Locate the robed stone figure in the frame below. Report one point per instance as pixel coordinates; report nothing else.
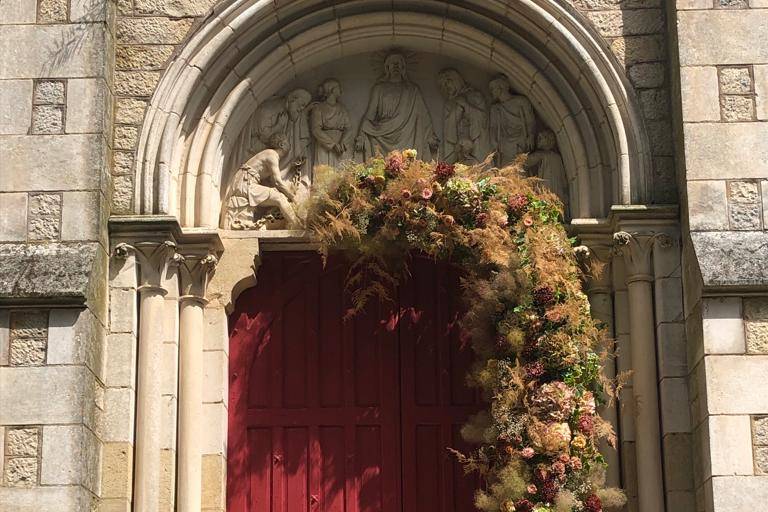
(465, 119)
(547, 164)
(330, 126)
(397, 116)
(512, 122)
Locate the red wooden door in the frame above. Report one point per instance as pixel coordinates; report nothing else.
(335, 416)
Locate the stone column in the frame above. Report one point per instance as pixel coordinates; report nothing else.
(194, 271)
(153, 259)
(636, 248)
(595, 260)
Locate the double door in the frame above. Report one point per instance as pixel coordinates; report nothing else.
(334, 415)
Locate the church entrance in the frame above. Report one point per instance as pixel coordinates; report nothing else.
(346, 416)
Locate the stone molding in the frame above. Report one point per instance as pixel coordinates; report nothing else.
(636, 249)
(313, 35)
(195, 271)
(153, 259)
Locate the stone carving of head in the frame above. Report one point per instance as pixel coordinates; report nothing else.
(545, 140)
(500, 88)
(451, 82)
(330, 88)
(279, 142)
(296, 101)
(394, 67)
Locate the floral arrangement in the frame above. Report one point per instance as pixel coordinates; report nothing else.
(538, 350)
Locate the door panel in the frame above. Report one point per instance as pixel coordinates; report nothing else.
(345, 416)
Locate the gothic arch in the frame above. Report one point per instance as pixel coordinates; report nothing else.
(246, 49)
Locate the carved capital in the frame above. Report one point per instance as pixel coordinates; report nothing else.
(595, 263)
(153, 259)
(636, 249)
(195, 271)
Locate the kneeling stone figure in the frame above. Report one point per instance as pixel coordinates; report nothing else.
(259, 183)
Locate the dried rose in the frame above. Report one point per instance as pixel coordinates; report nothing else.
(593, 504)
(586, 424)
(448, 220)
(531, 489)
(518, 203)
(524, 506)
(426, 194)
(481, 219)
(444, 170)
(575, 463)
(406, 193)
(394, 164)
(528, 221)
(527, 452)
(558, 468)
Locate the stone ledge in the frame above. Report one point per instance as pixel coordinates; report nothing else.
(49, 273)
(732, 259)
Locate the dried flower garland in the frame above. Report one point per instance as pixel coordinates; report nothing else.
(537, 347)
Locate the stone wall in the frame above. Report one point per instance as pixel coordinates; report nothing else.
(723, 82)
(55, 132)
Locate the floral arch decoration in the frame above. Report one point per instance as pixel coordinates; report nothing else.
(538, 351)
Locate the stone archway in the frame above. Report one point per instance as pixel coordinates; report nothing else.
(247, 51)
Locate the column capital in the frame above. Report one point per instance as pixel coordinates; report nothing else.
(195, 271)
(636, 249)
(153, 258)
(595, 262)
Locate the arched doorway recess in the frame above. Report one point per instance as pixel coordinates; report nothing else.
(248, 52)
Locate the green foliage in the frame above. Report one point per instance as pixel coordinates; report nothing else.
(536, 344)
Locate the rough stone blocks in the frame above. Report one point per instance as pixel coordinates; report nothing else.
(28, 338)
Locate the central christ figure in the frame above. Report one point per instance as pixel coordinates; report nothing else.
(397, 116)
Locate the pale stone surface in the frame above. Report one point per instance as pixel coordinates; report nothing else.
(761, 91)
(47, 119)
(42, 395)
(693, 4)
(654, 103)
(214, 428)
(747, 394)
(739, 493)
(723, 326)
(738, 29)
(87, 10)
(117, 474)
(628, 22)
(647, 75)
(215, 376)
(735, 80)
(75, 336)
(15, 105)
(167, 480)
(18, 11)
(635, 49)
(47, 498)
(21, 472)
(737, 108)
(80, 215)
(756, 325)
(136, 83)
(136, 57)
(760, 430)
(38, 51)
(29, 324)
(44, 216)
(699, 93)
(52, 11)
(87, 101)
(707, 207)
(5, 320)
(174, 8)
(122, 310)
(27, 162)
(727, 158)
(22, 442)
(214, 482)
(122, 194)
(49, 92)
(154, 30)
(672, 354)
(730, 445)
(126, 137)
(116, 424)
(71, 456)
(129, 110)
(122, 272)
(732, 258)
(121, 360)
(13, 217)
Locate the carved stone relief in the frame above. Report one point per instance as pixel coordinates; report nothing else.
(357, 114)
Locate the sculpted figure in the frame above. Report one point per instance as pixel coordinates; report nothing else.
(330, 126)
(465, 116)
(287, 116)
(512, 122)
(257, 184)
(547, 164)
(397, 116)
